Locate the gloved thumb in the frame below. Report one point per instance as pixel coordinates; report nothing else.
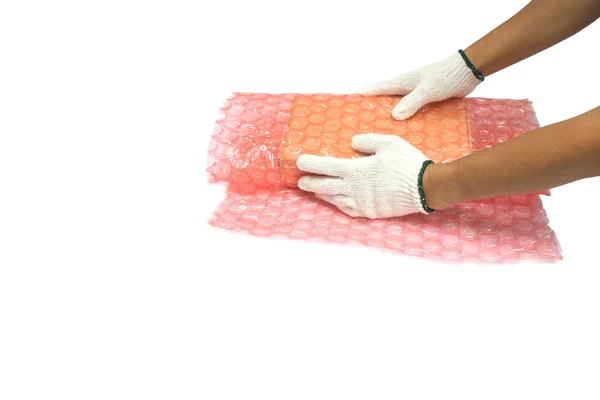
(410, 104)
(372, 142)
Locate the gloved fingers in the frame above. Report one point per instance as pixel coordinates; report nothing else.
(409, 105)
(402, 84)
(349, 211)
(373, 142)
(330, 166)
(322, 185)
(342, 202)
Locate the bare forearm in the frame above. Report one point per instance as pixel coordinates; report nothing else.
(538, 160)
(539, 25)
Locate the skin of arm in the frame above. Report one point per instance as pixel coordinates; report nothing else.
(535, 161)
(539, 160)
(538, 26)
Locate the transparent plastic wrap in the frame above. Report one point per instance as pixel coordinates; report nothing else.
(247, 138)
(325, 124)
(491, 231)
(258, 138)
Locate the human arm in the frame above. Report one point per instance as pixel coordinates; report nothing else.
(539, 25)
(532, 162)
(397, 179)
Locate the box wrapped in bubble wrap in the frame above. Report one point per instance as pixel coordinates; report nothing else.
(258, 138)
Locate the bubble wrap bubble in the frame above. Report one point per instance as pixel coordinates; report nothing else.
(325, 124)
(258, 138)
(492, 231)
(247, 138)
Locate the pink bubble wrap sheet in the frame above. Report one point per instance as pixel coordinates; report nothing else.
(255, 132)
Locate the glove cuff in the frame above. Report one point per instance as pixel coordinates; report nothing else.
(426, 208)
(470, 65)
(456, 78)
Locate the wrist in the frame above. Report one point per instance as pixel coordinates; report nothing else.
(480, 60)
(443, 185)
(476, 73)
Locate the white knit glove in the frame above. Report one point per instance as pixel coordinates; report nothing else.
(436, 82)
(382, 185)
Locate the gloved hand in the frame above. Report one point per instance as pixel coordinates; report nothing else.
(386, 184)
(451, 77)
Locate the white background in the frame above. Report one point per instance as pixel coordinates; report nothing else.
(112, 285)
